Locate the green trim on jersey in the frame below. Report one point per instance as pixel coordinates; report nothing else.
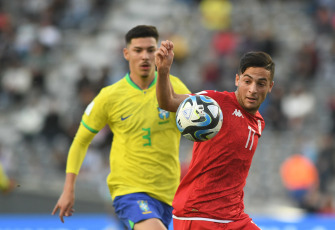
(136, 86)
(89, 128)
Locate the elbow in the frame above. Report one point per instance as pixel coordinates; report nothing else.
(166, 106)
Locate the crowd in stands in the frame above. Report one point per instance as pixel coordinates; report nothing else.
(44, 89)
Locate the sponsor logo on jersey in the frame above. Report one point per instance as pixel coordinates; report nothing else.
(237, 113)
(143, 204)
(124, 118)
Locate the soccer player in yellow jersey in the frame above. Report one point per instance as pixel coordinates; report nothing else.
(144, 157)
(6, 184)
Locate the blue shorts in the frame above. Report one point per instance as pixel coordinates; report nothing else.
(135, 207)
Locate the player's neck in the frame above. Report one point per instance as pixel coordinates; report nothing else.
(143, 82)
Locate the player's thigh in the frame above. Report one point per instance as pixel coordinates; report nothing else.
(153, 224)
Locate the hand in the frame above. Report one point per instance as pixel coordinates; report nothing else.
(164, 55)
(65, 205)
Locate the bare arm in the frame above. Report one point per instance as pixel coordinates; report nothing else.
(76, 156)
(166, 97)
(66, 200)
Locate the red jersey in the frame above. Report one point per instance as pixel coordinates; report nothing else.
(213, 186)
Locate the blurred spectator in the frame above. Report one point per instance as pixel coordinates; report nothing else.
(326, 163)
(6, 26)
(323, 20)
(76, 13)
(266, 42)
(273, 113)
(37, 58)
(216, 14)
(48, 34)
(25, 37)
(331, 107)
(7, 33)
(224, 43)
(306, 63)
(297, 105)
(51, 127)
(298, 175)
(247, 38)
(29, 119)
(300, 178)
(181, 48)
(16, 81)
(86, 88)
(211, 74)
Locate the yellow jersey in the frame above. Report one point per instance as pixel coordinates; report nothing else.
(144, 156)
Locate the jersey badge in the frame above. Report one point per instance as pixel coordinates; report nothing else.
(163, 115)
(237, 113)
(143, 204)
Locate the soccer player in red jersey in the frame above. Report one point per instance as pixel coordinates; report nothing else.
(210, 196)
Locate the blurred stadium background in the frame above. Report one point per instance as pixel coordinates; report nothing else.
(55, 55)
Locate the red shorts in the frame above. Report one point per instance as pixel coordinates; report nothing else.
(246, 224)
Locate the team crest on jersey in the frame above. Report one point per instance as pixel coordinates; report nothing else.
(163, 115)
(143, 204)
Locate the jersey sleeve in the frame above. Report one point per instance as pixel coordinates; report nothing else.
(78, 149)
(93, 120)
(95, 115)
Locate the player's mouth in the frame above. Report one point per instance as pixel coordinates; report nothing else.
(145, 66)
(251, 99)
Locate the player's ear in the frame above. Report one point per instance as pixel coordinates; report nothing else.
(237, 78)
(271, 86)
(126, 53)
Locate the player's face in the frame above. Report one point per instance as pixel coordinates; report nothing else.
(140, 54)
(252, 87)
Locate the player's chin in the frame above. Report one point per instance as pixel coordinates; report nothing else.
(252, 107)
(146, 72)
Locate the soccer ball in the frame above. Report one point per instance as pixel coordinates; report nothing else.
(199, 118)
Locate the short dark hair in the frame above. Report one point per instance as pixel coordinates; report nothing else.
(257, 59)
(142, 31)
